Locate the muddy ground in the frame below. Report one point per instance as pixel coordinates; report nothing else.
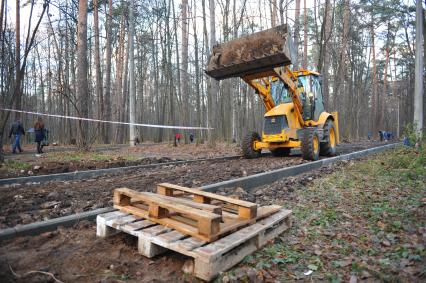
(65, 159)
(357, 221)
(76, 255)
(24, 204)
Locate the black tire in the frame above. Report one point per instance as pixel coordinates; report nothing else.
(310, 144)
(328, 146)
(247, 145)
(281, 152)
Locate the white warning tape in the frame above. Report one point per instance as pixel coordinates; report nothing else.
(104, 121)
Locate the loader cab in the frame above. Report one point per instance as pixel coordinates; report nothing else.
(312, 98)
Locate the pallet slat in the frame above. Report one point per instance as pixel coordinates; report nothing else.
(134, 226)
(203, 206)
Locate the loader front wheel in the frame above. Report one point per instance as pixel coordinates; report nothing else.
(281, 152)
(248, 146)
(328, 148)
(310, 144)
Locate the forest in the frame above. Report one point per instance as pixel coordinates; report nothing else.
(212, 141)
(84, 58)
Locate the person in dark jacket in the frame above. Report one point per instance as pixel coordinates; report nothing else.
(39, 134)
(17, 130)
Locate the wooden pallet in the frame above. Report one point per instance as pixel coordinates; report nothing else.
(209, 259)
(193, 212)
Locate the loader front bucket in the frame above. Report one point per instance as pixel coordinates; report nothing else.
(255, 53)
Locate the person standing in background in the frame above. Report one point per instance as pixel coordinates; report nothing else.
(39, 134)
(17, 130)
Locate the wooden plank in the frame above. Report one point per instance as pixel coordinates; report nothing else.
(187, 245)
(102, 229)
(185, 220)
(263, 212)
(116, 222)
(247, 212)
(119, 198)
(172, 236)
(191, 212)
(212, 208)
(208, 195)
(135, 226)
(157, 211)
(168, 222)
(154, 231)
(111, 215)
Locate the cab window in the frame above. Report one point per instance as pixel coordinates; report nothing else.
(279, 92)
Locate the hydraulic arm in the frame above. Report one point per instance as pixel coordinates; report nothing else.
(262, 86)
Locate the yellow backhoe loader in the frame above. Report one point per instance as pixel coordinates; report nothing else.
(295, 115)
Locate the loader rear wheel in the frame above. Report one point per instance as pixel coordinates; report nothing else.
(281, 151)
(248, 145)
(328, 148)
(310, 144)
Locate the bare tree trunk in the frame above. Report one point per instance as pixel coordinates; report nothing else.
(132, 88)
(108, 27)
(18, 58)
(375, 100)
(197, 75)
(326, 52)
(43, 109)
(205, 79)
(274, 9)
(305, 35)
(122, 131)
(98, 89)
(82, 84)
(385, 89)
(178, 73)
(418, 87)
(214, 85)
(282, 21)
(296, 33)
(338, 89)
(118, 93)
(3, 4)
(184, 74)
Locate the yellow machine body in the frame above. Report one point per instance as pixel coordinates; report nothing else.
(288, 137)
(294, 109)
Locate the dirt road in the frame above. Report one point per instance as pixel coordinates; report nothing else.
(339, 232)
(23, 204)
(63, 160)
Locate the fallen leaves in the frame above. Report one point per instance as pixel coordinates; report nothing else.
(381, 225)
(343, 263)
